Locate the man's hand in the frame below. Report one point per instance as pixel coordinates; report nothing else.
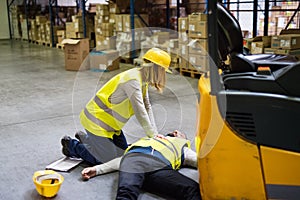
(88, 173)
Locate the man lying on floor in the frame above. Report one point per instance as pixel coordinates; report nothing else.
(152, 164)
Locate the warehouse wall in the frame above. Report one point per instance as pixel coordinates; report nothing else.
(4, 28)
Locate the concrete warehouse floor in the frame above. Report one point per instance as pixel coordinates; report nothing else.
(40, 103)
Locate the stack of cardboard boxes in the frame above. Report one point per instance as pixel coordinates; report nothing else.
(104, 27)
(258, 44)
(105, 57)
(61, 35)
(183, 41)
(74, 29)
(14, 20)
(124, 40)
(287, 44)
(24, 29)
(193, 45)
(40, 30)
(40, 27)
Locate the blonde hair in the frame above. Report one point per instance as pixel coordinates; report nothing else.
(155, 76)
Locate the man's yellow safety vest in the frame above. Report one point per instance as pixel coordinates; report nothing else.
(103, 118)
(170, 147)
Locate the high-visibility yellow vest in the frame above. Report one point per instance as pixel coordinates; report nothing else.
(170, 147)
(103, 118)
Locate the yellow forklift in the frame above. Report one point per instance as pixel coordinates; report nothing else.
(249, 118)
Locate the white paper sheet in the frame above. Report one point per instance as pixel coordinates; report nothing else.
(64, 164)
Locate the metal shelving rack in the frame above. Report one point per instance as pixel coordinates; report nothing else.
(52, 4)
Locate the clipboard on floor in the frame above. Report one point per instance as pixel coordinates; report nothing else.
(64, 164)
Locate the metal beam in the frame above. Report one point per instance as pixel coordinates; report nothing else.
(56, 13)
(132, 29)
(266, 20)
(213, 46)
(83, 17)
(8, 15)
(168, 14)
(51, 2)
(254, 27)
(27, 22)
(177, 13)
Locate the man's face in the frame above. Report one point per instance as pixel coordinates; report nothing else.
(178, 134)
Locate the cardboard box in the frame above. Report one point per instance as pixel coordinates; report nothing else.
(289, 41)
(183, 37)
(257, 47)
(174, 43)
(100, 19)
(184, 50)
(71, 35)
(69, 29)
(113, 8)
(102, 6)
(78, 25)
(61, 33)
(293, 52)
(160, 37)
(119, 22)
(266, 41)
(198, 29)
(40, 19)
(275, 42)
(107, 60)
(197, 17)
(198, 46)
(289, 31)
(112, 18)
(198, 62)
(105, 29)
(182, 24)
(75, 53)
(270, 51)
(104, 43)
(138, 23)
(183, 63)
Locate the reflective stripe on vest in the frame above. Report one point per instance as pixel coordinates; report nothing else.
(103, 118)
(170, 147)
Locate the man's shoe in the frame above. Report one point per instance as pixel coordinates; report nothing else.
(65, 141)
(80, 135)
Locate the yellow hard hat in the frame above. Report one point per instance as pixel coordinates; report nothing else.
(158, 57)
(47, 182)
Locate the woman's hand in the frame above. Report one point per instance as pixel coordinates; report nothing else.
(159, 136)
(88, 173)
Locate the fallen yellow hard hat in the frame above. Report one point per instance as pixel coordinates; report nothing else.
(47, 182)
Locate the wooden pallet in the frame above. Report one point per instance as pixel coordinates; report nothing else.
(40, 42)
(193, 73)
(60, 46)
(34, 42)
